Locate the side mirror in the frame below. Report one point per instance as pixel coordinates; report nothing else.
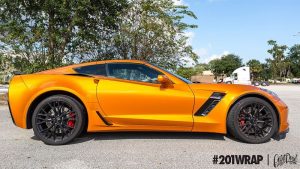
(164, 80)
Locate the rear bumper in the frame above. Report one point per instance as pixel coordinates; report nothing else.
(9, 109)
(12, 117)
(17, 101)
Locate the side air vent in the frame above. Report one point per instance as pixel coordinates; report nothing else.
(210, 104)
(103, 119)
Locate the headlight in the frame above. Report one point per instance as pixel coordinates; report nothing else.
(270, 92)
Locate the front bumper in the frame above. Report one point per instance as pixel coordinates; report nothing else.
(281, 135)
(283, 118)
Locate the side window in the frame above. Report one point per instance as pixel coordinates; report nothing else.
(235, 76)
(98, 69)
(135, 72)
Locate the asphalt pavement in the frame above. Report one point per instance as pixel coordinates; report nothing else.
(20, 149)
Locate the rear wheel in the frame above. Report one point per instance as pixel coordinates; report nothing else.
(252, 120)
(58, 119)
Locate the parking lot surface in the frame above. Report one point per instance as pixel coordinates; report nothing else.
(20, 149)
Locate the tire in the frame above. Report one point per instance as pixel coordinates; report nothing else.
(58, 119)
(228, 82)
(246, 127)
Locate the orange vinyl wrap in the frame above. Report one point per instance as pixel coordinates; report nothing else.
(134, 106)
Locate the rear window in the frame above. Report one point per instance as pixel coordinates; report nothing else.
(98, 69)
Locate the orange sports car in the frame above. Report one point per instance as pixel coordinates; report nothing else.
(127, 95)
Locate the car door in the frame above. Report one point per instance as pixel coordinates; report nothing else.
(131, 96)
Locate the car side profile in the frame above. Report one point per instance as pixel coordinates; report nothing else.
(130, 95)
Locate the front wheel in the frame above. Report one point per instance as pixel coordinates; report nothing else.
(252, 120)
(58, 119)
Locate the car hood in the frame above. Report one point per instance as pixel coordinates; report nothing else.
(233, 91)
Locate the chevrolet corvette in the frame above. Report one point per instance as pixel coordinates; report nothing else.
(129, 95)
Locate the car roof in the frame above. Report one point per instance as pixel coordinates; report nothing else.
(69, 69)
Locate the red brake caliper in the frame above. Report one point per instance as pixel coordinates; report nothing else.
(71, 123)
(242, 122)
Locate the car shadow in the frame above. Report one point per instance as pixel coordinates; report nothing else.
(150, 135)
(146, 135)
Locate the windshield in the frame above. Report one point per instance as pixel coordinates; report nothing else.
(181, 78)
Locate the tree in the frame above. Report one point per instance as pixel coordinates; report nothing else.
(48, 33)
(153, 30)
(266, 72)
(226, 65)
(217, 67)
(231, 62)
(45, 34)
(256, 68)
(199, 68)
(186, 72)
(294, 57)
(280, 66)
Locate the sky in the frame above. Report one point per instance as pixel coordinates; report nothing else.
(242, 27)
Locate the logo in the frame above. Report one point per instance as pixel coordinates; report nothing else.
(287, 158)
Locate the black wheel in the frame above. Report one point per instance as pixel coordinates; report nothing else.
(58, 119)
(252, 120)
(229, 82)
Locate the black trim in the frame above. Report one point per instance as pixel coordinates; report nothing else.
(91, 72)
(103, 119)
(281, 135)
(18, 73)
(106, 69)
(12, 117)
(79, 74)
(211, 103)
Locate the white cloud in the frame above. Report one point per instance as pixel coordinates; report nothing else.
(190, 36)
(189, 62)
(202, 52)
(204, 57)
(179, 2)
(216, 56)
(211, 1)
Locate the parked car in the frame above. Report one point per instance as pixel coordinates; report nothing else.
(128, 95)
(296, 80)
(263, 83)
